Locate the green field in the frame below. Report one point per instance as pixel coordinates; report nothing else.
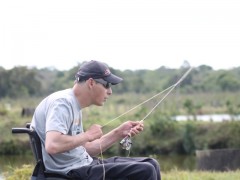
(24, 173)
(161, 134)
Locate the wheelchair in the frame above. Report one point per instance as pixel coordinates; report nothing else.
(39, 172)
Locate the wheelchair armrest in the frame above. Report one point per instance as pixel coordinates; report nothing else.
(21, 130)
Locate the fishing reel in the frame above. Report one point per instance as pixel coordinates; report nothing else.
(126, 143)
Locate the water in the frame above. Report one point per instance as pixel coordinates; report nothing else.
(166, 162)
(180, 162)
(208, 117)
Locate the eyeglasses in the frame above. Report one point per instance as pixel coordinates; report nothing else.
(105, 84)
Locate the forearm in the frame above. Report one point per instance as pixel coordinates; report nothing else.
(100, 145)
(58, 143)
(106, 141)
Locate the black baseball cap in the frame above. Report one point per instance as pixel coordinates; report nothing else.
(96, 70)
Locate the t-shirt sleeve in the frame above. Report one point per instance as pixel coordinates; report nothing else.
(59, 116)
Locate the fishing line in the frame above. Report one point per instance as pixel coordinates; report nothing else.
(127, 148)
(172, 87)
(126, 142)
(137, 106)
(100, 146)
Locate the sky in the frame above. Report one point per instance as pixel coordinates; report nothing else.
(125, 34)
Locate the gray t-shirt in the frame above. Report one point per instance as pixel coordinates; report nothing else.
(60, 112)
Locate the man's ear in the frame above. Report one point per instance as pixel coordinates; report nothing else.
(90, 82)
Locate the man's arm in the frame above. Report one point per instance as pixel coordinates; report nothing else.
(57, 142)
(106, 141)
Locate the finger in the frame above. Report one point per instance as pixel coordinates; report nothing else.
(139, 127)
(132, 133)
(135, 131)
(134, 123)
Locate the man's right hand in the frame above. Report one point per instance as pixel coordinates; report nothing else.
(94, 132)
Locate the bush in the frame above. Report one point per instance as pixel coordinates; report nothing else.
(21, 173)
(12, 147)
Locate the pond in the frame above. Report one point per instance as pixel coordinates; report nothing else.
(207, 117)
(7, 163)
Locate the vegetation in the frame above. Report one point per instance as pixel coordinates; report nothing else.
(31, 82)
(164, 135)
(204, 91)
(21, 173)
(25, 172)
(200, 175)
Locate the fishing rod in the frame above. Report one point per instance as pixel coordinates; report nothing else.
(138, 105)
(126, 142)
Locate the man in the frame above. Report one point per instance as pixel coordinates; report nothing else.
(68, 149)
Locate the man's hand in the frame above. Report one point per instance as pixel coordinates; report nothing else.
(131, 128)
(94, 132)
(56, 142)
(137, 128)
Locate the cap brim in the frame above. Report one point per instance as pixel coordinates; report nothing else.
(113, 79)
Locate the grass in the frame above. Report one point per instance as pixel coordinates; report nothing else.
(210, 103)
(200, 175)
(24, 173)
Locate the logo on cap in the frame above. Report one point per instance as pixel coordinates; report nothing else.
(107, 72)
